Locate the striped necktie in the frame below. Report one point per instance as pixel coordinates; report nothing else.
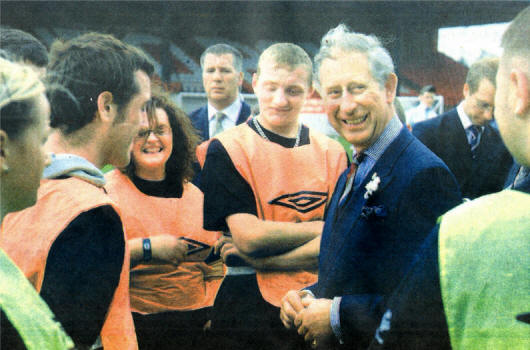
(219, 117)
(473, 136)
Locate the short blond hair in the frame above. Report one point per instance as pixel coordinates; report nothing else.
(287, 55)
(19, 83)
(19, 86)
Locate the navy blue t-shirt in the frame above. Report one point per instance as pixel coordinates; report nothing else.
(226, 192)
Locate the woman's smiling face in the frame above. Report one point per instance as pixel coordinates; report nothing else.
(152, 146)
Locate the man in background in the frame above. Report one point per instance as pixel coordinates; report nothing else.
(464, 139)
(425, 109)
(222, 77)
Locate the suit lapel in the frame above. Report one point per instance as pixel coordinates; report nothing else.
(348, 227)
(384, 167)
(244, 113)
(204, 125)
(460, 160)
(458, 135)
(351, 210)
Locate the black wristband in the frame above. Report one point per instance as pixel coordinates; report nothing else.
(146, 245)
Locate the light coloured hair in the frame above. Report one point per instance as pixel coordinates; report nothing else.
(341, 38)
(516, 39)
(287, 55)
(18, 83)
(19, 89)
(483, 69)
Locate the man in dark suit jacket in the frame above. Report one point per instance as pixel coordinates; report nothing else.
(480, 163)
(222, 76)
(381, 213)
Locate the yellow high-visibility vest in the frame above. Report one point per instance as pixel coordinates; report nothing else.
(484, 252)
(27, 312)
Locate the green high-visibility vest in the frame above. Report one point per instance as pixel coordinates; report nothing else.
(27, 312)
(484, 255)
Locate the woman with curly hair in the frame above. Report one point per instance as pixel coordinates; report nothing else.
(171, 285)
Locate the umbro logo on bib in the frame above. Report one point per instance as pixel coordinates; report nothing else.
(303, 201)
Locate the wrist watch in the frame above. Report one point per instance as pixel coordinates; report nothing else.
(146, 245)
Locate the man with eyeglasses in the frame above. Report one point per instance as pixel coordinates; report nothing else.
(464, 139)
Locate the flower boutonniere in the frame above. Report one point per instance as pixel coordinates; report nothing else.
(372, 186)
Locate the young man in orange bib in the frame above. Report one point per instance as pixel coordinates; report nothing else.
(267, 183)
(75, 254)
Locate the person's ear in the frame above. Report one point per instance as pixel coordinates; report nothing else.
(390, 87)
(254, 81)
(4, 152)
(519, 81)
(465, 90)
(106, 106)
(241, 78)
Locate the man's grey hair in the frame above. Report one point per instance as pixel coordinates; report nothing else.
(343, 39)
(224, 49)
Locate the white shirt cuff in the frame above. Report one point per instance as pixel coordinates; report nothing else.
(335, 318)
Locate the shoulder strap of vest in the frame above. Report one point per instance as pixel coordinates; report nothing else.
(27, 312)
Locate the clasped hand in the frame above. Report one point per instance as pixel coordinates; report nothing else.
(226, 248)
(309, 316)
(168, 248)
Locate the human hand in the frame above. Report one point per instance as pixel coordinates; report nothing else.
(314, 323)
(168, 248)
(221, 241)
(292, 304)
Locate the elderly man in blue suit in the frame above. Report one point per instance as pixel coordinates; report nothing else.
(464, 139)
(222, 77)
(381, 210)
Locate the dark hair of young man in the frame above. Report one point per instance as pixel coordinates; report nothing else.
(23, 47)
(82, 68)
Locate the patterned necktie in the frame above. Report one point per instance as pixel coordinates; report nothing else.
(350, 178)
(473, 136)
(219, 117)
(522, 174)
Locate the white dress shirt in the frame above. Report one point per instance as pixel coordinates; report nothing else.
(231, 112)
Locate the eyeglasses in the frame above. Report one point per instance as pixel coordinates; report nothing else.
(483, 105)
(159, 131)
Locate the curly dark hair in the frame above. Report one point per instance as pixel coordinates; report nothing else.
(179, 166)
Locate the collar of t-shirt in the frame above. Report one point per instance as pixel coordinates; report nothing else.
(376, 150)
(231, 112)
(286, 142)
(163, 188)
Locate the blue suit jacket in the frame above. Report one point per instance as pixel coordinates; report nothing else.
(199, 119)
(446, 137)
(367, 244)
(417, 311)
